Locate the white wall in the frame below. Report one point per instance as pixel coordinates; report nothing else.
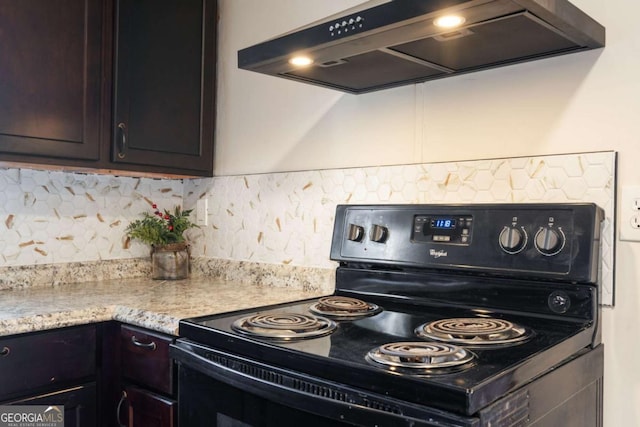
(582, 102)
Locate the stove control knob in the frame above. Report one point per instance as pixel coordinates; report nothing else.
(549, 241)
(355, 233)
(512, 239)
(379, 233)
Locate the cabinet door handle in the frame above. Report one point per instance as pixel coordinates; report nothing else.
(122, 400)
(122, 145)
(150, 345)
(5, 351)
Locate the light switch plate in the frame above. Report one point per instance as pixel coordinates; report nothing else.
(202, 212)
(630, 214)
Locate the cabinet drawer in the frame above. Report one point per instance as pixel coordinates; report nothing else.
(149, 409)
(145, 358)
(79, 404)
(36, 361)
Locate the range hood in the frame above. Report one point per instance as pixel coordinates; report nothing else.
(383, 44)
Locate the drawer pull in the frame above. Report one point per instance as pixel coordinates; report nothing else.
(151, 345)
(5, 351)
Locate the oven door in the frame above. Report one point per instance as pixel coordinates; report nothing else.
(224, 390)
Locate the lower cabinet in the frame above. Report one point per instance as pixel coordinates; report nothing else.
(56, 367)
(107, 374)
(79, 404)
(147, 373)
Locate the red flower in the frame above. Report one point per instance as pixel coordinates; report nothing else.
(154, 206)
(166, 217)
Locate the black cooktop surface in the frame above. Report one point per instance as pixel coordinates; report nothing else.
(341, 355)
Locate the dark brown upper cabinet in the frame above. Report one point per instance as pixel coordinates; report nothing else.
(164, 97)
(50, 79)
(124, 85)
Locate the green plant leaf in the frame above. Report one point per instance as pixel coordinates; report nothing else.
(161, 230)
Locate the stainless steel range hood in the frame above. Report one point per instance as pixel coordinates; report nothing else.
(385, 44)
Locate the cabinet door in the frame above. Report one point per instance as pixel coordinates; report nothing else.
(79, 404)
(50, 79)
(165, 83)
(146, 409)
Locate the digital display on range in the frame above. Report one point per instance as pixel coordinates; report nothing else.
(443, 223)
(443, 228)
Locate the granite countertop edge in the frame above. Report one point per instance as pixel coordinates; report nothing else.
(155, 305)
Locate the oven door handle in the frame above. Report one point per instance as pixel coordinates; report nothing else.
(320, 397)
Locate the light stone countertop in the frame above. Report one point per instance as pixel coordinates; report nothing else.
(156, 305)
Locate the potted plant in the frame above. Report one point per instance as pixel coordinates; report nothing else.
(169, 248)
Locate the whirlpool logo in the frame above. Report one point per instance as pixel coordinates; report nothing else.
(32, 416)
(437, 254)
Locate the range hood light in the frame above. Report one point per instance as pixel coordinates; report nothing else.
(449, 21)
(301, 61)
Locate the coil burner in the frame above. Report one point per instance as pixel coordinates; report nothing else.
(284, 326)
(344, 308)
(474, 332)
(421, 357)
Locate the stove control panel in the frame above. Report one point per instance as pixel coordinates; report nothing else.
(447, 229)
(556, 240)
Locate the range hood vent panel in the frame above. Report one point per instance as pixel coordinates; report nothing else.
(386, 52)
(505, 40)
(381, 68)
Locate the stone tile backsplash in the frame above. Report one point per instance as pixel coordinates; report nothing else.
(49, 217)
(57, 217)
(287, 218)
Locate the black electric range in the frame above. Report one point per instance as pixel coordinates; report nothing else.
(443, 315)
